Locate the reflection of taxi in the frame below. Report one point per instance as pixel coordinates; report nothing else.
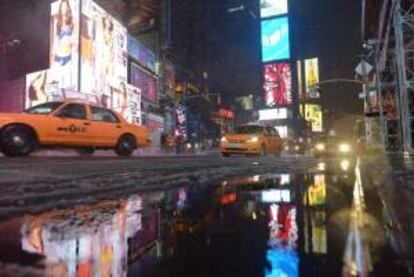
(251, 139)
(69, 124)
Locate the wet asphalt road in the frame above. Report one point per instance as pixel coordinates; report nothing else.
(194, 216)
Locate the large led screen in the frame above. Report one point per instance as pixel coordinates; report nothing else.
(277, 84)
(275, 39)
(313, 114)
(311, 77)
(145, 83)
(103, 52)
(64, 43)
(273, 7)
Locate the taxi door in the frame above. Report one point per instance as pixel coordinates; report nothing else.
(105, 125)
(69, 125)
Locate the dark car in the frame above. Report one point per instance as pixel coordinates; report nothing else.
(335, 146)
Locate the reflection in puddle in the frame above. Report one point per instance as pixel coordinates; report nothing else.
(263, 225)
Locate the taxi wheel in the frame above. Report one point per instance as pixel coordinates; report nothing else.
(126, 146)
(87, 151)
(17, 140)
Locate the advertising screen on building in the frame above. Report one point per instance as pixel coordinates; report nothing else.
(103, 52)
(282, 130)
(141, 53)
(64, 43)
(273, 114)
(245, 102)
(277, 84)
(273, 7)
(313, 114)
(275, 39)
(127, 102)
(311, 77)
(145, 83)
(276, 196)
(42, 87)
(181, 122)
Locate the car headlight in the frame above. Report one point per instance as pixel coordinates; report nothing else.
(320, 147)
(287, 148)
(254, 139)
(223, 139)
(297, 147)
(344, 148)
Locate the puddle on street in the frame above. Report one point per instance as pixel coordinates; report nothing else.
(267, 225)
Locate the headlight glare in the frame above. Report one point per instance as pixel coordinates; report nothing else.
(344, 148)
(320, 147)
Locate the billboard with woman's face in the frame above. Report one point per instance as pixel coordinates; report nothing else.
(64, 43)
(277, 84)
(127, 102)
(103, 52)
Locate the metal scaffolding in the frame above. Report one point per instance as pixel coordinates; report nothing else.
(403, 22)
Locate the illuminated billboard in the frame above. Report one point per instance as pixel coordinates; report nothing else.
(282, 130)
(273, 114)
(245, 102)
(275, 39)
(277, 84)
(276, 196)
(311, 77)
(103, 52)
(313, 114)
(273, 7)
(42, 87)
(127, 102)
(146, 83)
(64, 43)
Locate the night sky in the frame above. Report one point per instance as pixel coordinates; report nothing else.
(330, 30)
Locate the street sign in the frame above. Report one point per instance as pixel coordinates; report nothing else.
(360, 68)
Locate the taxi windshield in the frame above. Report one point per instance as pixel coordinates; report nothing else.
(45, 108)
(249, 130)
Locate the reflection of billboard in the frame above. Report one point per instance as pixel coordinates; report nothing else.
(273, 114)
(319, 236)
(127, 102)
(245, 102)
(313, 114)
(311, 77)
(275, 39)
(145, 83)
(103, 52)
(64, 43)
(283, 131)
(273, 7)
(316, 193)
(277, 84)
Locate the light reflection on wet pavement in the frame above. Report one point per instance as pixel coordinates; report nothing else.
(267, 225)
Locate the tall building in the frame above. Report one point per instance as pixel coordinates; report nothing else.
(233, 43)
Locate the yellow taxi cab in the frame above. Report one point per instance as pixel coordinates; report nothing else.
(251, 140)
(83, 126)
